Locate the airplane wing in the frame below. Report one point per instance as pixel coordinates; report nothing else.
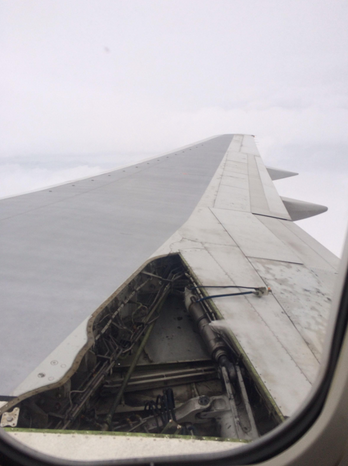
(64, 250)
(213, 204)
(241, 233)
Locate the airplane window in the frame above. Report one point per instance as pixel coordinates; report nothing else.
(187, 347)
(169, 298)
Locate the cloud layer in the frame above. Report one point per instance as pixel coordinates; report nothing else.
(89, 85)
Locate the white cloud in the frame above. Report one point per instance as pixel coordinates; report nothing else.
(98, 83)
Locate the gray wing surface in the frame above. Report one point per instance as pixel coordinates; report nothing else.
(64, 250)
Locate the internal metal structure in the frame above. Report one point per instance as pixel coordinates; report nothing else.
(156, 366)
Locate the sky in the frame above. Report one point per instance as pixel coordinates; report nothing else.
(87, 86)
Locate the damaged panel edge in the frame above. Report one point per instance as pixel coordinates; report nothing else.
(84, 398)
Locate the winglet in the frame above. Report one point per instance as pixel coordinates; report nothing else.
(298, 210)
(277, 174)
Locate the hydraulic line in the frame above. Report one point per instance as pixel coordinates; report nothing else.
(216, 346)
(232, 403)
(258, 291)
(223, 295)
(108, 419)
(253, 429)
(101, 333)
(115, 404)
(224, 286)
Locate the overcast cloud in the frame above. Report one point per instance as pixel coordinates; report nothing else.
(89, 85)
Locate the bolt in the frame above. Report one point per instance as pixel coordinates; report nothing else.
(204, 400)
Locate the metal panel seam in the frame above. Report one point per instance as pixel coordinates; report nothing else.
(309, 346)
(258, 197)
(256, 311)
(308, 245)
(223, 163)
